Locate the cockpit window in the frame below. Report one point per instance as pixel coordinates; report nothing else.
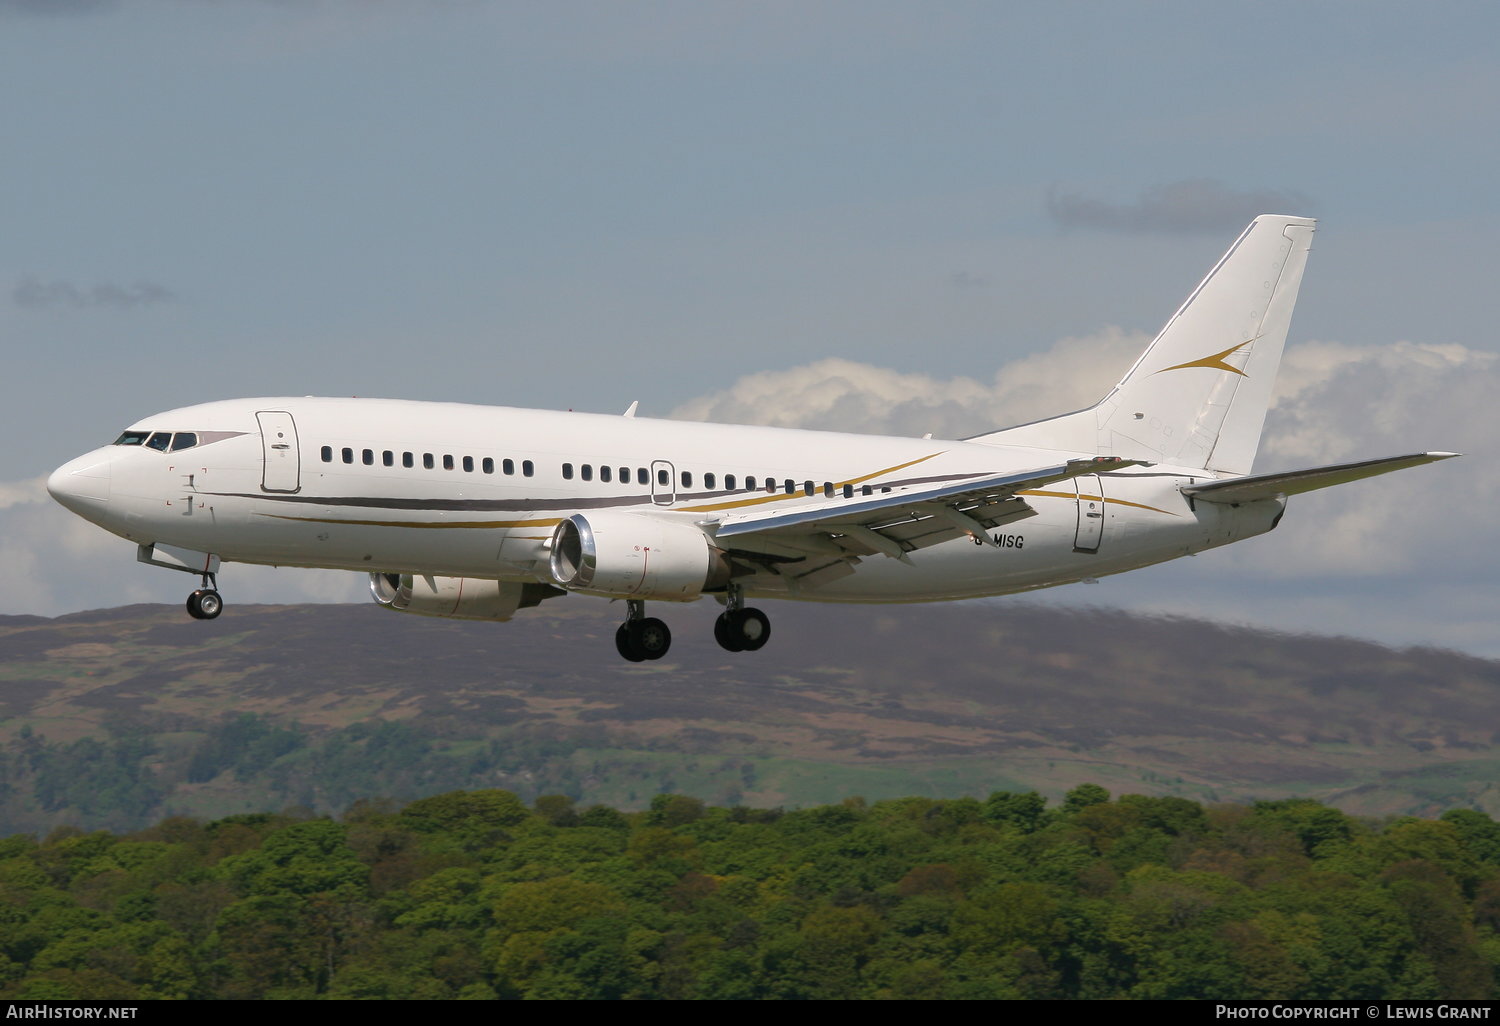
(161, 441)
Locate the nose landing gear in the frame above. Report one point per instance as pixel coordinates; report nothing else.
(206, 603)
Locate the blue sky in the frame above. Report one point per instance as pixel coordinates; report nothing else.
(580, 204)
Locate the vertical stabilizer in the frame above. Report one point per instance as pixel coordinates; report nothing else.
(1198, 395)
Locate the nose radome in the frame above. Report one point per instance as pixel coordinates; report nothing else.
(82, 484)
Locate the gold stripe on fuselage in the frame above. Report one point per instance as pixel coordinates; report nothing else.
(1101, 498)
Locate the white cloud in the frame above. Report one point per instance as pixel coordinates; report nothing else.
(1338, 403)
(843, 395)
(53, 562)
(15, 493)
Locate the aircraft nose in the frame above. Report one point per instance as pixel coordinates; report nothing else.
(82, 485)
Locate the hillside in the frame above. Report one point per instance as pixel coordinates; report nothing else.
(116, 717)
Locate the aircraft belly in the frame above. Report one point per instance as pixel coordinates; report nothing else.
(461, 551)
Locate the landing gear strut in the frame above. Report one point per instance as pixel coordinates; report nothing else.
(205, 603)
(740, 629)
(642, 637)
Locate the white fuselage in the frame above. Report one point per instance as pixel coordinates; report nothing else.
(394, 486)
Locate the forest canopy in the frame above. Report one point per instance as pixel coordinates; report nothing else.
(476, 894)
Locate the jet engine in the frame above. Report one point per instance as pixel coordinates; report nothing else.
(627, 555)
(459, 598)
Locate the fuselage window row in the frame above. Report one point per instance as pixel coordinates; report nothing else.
(166, 440)
(367, 457)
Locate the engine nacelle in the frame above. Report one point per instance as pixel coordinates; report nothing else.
(628, 555)
(459, 598)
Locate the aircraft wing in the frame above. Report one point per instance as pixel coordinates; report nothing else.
(898, 522)
(1294, 482)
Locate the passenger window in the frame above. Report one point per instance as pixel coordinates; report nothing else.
(527, 469)
(789, 486)
(828, 489)
(807, 487)
(587, 472)
(749, 484)
(624, 475)
(159, 440)
(132, 438)
(866, 490)
(708, 481)
(687, 479)
(567, 471)
(327, 454)
(729, 482)
(604, 474)
(641, 477)
(348, 455)
(488, 465)
(388, 458)
(408, 460)
(447, 461)
(508, 466)
(368, 457)
(468, 464)
(770, 486)
(661, 477)
(848, 491)
(184, 440)
(427, 460)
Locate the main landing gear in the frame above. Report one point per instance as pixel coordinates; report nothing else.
(741, 630)
(642, 637)
(737, 629)
(205, 603)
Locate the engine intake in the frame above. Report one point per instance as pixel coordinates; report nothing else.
(627, 555)
(458, 598)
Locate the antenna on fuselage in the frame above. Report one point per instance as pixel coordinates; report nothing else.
(633, 406)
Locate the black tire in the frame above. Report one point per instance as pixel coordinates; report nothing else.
(627, 644)
(753, 629)
(653, 637)
(726, 634)
(204, 604)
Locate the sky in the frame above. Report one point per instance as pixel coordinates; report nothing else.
(874, 216)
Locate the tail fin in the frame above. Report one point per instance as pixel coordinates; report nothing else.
(1198, 395)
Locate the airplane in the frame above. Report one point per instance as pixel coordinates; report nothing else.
(478, 512)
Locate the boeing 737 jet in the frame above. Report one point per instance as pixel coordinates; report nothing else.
(477, 512)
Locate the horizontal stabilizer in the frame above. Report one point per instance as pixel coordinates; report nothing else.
(1294, 482)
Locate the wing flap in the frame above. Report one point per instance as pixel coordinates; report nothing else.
(1294, 482)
